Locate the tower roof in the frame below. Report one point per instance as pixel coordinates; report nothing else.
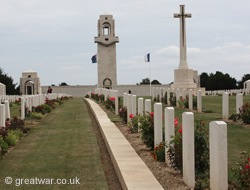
(29, 71)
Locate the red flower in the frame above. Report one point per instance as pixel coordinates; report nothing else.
(162, 116)
(47, 99)
(131, 115)
(152, 114)
(247, 167)
(180, 131)
(93, 93)
(128, 130)
(182, 99)
(193, 94)
(176, 119)
(112, 98)
(7, 124)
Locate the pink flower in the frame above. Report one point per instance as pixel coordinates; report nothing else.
(112, 98)
(47, 99)
(182, 99)
(131, 115)
(120, 109)
(162, 116)
(152, 114)
(193, 94)
(176, 119)
(128, 130)
(93, 93)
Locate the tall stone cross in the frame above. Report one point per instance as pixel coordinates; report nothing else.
(183, 47)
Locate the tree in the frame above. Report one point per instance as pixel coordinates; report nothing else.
(145, 81)
(63, 84)
(8, 82)
(155, 82)
(220, 81)
(243, 79)
(203, 79)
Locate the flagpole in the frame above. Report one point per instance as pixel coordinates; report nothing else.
(150, 77)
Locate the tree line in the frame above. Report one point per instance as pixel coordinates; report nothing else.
(221, 81)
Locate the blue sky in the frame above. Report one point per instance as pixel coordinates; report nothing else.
(56, 38)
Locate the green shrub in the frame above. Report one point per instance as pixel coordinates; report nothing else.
(18, 133)
(233, 117)
(47, 108)
(172, 99)
(11, 138)
(123, 114)
(133, 125)
(244, 114)
(159, 152)
(4, 147)
(146, 129)
(242, 171)
(36, 115)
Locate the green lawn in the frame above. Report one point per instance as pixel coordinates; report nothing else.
(62, 146)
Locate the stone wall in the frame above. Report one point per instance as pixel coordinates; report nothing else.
(81, 91)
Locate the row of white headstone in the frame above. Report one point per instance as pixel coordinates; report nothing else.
(108, 93)
(28, 101)
(225, 104)
(217, 139)
(232, 91)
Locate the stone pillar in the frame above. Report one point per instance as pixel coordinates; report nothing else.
(116, 102)
(134, 105)
(129, 107)
(199, 101)
(177, 96)
(157, 124)
(148, 106)
(218, 155)
(225, 106)
(2, 115)
(7, 109)
(22, 107)
(190, 99)
(160, 94)
(140, 106)
(163, 92)
(239, 102)
(168, 94)
(188, 149)
(169, 128)
(153, 93)
(125, 99)
(184, 93)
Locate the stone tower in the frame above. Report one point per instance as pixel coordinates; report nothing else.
(106, 51)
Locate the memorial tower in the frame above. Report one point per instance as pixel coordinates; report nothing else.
(106, 52)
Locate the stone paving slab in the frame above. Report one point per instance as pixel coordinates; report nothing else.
(131, 170)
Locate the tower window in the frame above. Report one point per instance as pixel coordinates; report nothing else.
(29, 76)
(106, 39)
(106, 29)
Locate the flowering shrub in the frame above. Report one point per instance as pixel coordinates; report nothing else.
(159, 152)
(109, 104)
(244, 114)
(181, 102)
(123, 114)
(133, 125)
(201, 149)
(242, 171)
(194, 102)
(86, 96)
(146, 129)
(3, 147)
(101, 97)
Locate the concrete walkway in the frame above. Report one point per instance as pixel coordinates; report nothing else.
(131, 170)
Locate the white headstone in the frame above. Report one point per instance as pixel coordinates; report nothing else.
(188, 149)
(7, 109)
(239, 102)
(129, 107)
(177, 96)
(140, 106)
(225, 107)
(2, 115)
(134, 105)
(168, 94)
(157, 124)
(169, 128)
(148, 106)
(116, 103)
(22, 107)
(199, 101)
(125, 99)
(218, 155)
(190, 99)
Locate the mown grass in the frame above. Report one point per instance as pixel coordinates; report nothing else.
(62, 146)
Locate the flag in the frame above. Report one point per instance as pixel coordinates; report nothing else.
(94, 60)
(147, 57)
